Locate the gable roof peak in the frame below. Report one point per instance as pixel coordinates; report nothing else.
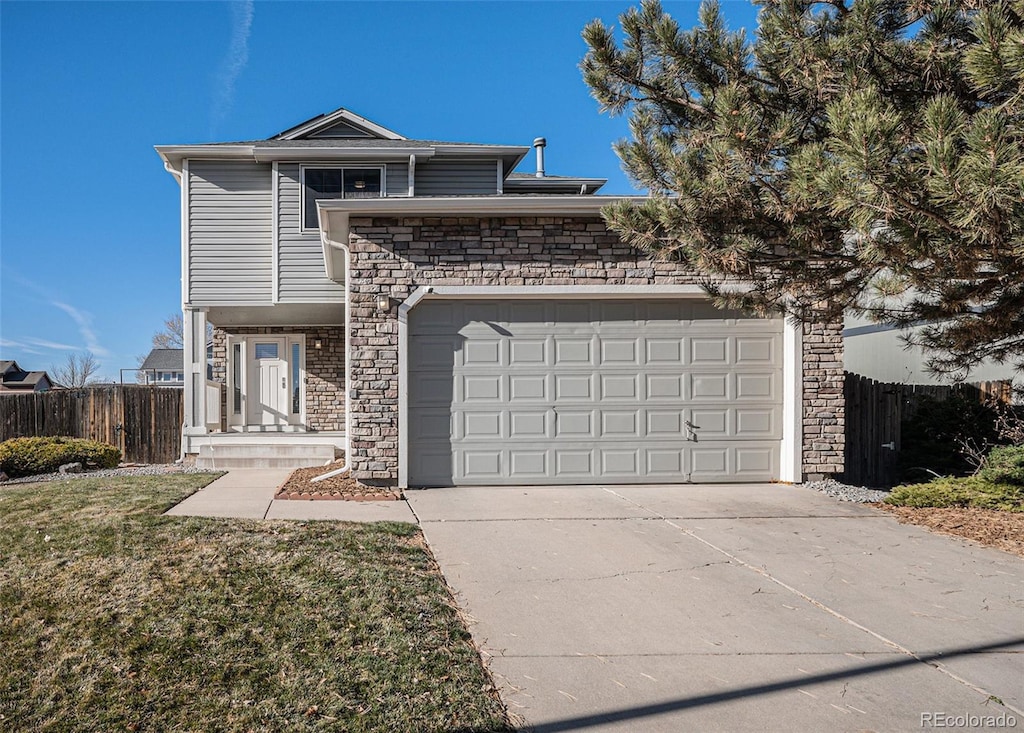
(341, 123)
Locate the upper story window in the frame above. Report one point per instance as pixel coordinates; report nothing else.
(337, 183)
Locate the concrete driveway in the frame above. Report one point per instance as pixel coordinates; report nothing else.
(733, 608)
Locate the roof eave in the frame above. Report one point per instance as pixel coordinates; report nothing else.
(334, 214)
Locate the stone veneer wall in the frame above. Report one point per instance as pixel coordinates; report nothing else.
(395, 256)
(325, 371)
(824, 419)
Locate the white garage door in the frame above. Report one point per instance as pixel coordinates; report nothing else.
(584, 392)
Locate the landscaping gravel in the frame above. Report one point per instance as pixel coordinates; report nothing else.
(155, 469)
(845, 492)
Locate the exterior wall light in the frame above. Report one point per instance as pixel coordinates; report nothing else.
(384, 303)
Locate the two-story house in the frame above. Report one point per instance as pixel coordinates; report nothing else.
(444, 320)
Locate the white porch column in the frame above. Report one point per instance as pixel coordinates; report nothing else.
(194, 336)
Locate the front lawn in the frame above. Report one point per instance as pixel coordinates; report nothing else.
(113, 617)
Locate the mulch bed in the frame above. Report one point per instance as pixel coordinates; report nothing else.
(1002, 530)
(343, 488)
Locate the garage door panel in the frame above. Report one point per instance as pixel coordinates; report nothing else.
(756, 386)
(622, 462)
(431, 422)
(753, 422)
(574, 352)
(665, 463)
(619, 387)
(485, 425)
(710, 423)
(575, 425)
(528, 425)
(431, 389)
(620, 352)
(482, 353)
(482, 465)
(709, 387)
(754, 461)
(709, 351)
(755, 350)
(664, 351)
(436, 352)
(664, 386)
(528, 388)
(481, 388)
(575, 387)
(665, 423)
(529, 464)
(621, 424)
(574, 463)
(521, 392)
(527, 352)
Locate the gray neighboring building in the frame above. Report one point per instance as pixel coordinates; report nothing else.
(444, 320)
(164, 368)
(15, 380)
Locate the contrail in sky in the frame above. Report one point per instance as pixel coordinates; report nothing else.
(234, 63)
(84, 322)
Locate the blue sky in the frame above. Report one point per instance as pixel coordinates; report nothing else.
(89, 220)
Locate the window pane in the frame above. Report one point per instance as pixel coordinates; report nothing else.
(321, 183)
(362, 183)
(266, 351)
(295, 379)
(236, 379)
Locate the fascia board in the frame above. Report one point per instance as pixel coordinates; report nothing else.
(340, 153)
(172, 155)
(474, 205)
(489, 150)
(553, 182)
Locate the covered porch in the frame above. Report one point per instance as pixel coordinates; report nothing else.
(268, 388)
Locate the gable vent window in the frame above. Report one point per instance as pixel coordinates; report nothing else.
(337, 183)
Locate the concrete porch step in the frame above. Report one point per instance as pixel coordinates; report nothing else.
(256, 455)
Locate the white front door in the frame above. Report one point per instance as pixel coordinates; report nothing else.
(268, 381)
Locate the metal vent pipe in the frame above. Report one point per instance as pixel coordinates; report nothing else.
(539, 143)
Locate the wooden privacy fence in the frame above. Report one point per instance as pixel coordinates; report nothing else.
(143, 421)
(875, 412)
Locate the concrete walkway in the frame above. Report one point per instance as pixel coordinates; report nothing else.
(729, 608)
(248, 493)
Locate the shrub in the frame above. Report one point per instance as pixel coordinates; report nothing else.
(973, 491)
(1004, 465)
(31, 456)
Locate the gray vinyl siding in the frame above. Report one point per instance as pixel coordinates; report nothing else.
(300, 254)
(456, 177)
(230, 227)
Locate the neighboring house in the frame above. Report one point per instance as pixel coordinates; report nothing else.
(15, 380)
(879, 352)
(447, 321)
(164, 368)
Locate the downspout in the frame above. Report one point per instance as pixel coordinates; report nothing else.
(170, 169)
(412, 175)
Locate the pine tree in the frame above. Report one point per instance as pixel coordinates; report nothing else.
(860, 156)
